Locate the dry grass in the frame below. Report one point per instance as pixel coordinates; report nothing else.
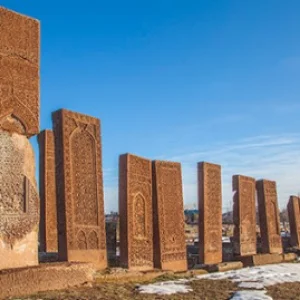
(202, 289)
(286, 291)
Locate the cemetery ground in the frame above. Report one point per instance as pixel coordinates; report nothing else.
(278, 281)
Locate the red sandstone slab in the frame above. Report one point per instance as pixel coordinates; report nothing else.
(19, 73)
(294, 220)
(79, 184)
(48, 217)
(244, 215)
(269, 216)
(135, 206)
(210, 208)
(169, 236)
(45, 277)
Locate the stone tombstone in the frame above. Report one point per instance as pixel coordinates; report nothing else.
(136, 211)
(111, 239)
(244, 215)
(48, 222)
(79, 188)
(19, 73)
(294, 220)
(19, 202)
(210, 208)
(168, 217)
(269, 216)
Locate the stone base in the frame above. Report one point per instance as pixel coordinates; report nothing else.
(260, 259)
(24, 253)
(45, 277)
(221, 267)
(288, 257)
(175, 266)
(97, 257)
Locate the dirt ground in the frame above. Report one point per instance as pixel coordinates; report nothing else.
(286, 291)
(202, 289)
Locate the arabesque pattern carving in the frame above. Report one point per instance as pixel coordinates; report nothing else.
(79, 182)
(19, 73)
(244, 216)
(294, 220)
(210, 207)
(135, 202)
(48, 222)
(269, 216)
(169, 246)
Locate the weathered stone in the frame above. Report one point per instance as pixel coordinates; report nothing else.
(79, 186)
(169, 237)
(223, 267)
(19, 203)
(269, 216)
(45, 277)
(260, 259)
(210, 208)
(294, 220)
(19, 73)
(244, 215)
(135, 203)
(288, 257)
(48, 222)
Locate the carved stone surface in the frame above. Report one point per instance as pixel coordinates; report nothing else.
(135, 203)
(48, 222)
(111, 239)
(269, 216)
(19, 202)
(210, 208)
(79, 186)
(19, 73)
(244, 215)
(294, 220)
(169, 235)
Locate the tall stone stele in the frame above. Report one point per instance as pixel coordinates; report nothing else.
(136, 212)
(210, 210)
(269, 216)
(47, 186)
(244, 215)
(79, 188)
(294, 220)
(19, 120)
(168, 219)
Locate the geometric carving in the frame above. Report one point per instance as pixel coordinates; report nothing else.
(79, 185)
(48, 222)
(169, 235)
(210, 207)
(244, 215)
(294, 220)
(269, 216)
(135, 206)
(19, 202)
(19, 73)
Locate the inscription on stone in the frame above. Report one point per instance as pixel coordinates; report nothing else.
(135, 202)
(210, 208)
(19, 73)
(269, 216)
(244, 216)
(48, 222)
(294, 220)
(169, 236)
(79, 185)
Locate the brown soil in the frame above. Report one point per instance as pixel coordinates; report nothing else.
(286, 291)
(202, 289)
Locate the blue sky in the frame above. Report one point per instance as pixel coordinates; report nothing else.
(179, 80)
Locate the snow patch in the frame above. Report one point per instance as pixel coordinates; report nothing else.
(250, 295)
(166, 288)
